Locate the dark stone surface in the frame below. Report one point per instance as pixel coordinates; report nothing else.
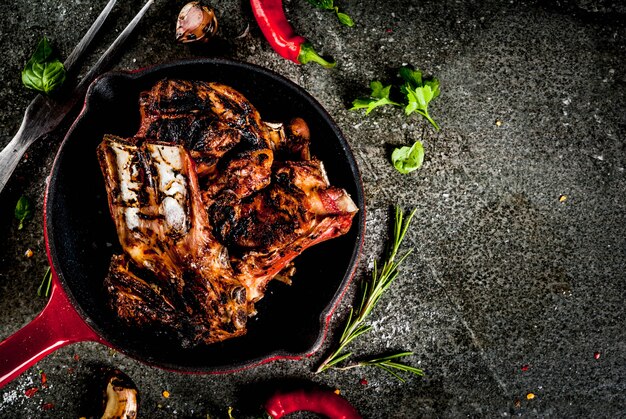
(503, 274)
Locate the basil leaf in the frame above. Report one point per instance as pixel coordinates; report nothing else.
(322, 4)
(23, 211)
(408, 159)
(344, 18)
(43, 73)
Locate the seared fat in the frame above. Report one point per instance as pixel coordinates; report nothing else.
(210, 203)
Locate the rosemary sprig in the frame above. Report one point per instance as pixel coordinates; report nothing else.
(44, 287)
(370, 292)
(387, 363)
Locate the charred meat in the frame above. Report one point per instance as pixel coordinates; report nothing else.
(210, 203)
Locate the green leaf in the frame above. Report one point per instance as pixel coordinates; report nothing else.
(408, 159)
(42, 52)
(323, 4)
(23, 211)
(414, 78)
(344, 18)
(43, 73)
(378, 97)
(418, 92)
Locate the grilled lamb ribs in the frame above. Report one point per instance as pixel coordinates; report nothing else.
(210, 203)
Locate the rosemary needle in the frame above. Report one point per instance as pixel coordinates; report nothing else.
(44, 287)
(371, 292)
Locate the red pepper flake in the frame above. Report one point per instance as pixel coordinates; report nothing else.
(70, 370)
(363, 382)
(47, 406)
(525, 367)
(31, 392)
(76, 357)
(596, 355)
(44, 380)
(389, 30)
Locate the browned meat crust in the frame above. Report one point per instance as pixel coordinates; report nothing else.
(210, 203)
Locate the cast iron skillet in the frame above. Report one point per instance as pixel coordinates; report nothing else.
(80, 235)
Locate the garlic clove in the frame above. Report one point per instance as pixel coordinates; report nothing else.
(196, 22)
(120, 397)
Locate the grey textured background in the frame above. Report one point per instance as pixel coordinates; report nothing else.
(504, 274)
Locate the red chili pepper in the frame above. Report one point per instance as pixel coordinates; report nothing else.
(323, 402)
(271, 18)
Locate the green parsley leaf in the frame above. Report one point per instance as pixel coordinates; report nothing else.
(378, 97)
(330, 5)
(408, 159)
(23, 211)
(43, 72)
(419, 93)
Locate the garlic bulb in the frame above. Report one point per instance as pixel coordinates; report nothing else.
(196, 22)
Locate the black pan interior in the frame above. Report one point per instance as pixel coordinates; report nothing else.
(82, 237)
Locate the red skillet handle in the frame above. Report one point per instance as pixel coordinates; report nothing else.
(56, 326)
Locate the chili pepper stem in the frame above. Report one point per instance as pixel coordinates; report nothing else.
(308, 54)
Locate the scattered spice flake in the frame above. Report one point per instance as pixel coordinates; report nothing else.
(47, 406)
(525, 367)
(44, 379)
(363, 382)
(389, 30)
(562, 198)
(166, 394)
(530, 396)
(76, 357)
(31, 392)
(498, 123)
(337, 391)
(517, 403)
(596, 355)
(29, 253)
(70, 370)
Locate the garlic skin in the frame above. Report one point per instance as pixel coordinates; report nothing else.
(196, 22)
(120, 397)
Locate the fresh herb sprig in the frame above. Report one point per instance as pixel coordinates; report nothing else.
(378, 97)
(418, 93)
(43, 72)
(371, 291)
(387, 363)
(330, 5)
(46, 282)
(23, 211)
